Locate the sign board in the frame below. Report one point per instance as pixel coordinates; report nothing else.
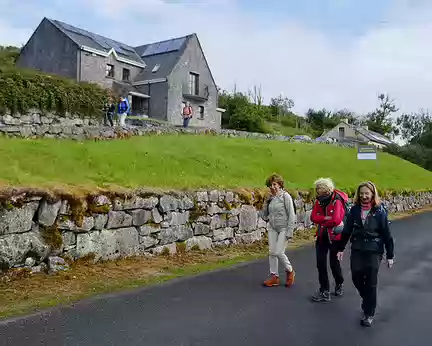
(366, 152)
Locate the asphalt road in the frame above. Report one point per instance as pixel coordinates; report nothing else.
(230, 307)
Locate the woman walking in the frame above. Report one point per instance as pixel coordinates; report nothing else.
(328, 213)
(279, 211)
(368, 228)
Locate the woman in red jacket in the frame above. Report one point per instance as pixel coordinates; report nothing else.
(328, 213)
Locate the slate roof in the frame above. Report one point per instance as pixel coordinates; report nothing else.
(374, 136)
(370, 135)
(164, 53)
(86, 38)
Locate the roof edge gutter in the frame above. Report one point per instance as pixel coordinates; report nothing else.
(150, 81)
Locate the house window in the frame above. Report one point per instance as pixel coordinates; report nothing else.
(201, 112)
(341, 132)
(126, 75)
(109, 71)
(156, 68)
(194, 83)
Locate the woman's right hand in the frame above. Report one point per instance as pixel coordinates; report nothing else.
(339, 256)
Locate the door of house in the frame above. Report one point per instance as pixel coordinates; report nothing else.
(341, 132)
(139, 105)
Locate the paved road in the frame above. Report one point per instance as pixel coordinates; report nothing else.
(231, 308)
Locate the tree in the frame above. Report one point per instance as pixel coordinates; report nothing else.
(319, 120)
(280, 106)
(256, 95)
(380, 120)
(241, 113)
(341, 114)
(411, 126)
(8, 56)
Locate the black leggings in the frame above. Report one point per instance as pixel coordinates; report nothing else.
(323, 247)
(364, 271)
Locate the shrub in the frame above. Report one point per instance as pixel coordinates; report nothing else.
(22, 90)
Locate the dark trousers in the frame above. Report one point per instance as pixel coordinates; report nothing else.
(364, 271)
(323, 247)
(186, 122)
(109, 118)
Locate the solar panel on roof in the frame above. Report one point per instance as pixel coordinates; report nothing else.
(100, 41)
(164, 47)
(176, 43)
(128, 49)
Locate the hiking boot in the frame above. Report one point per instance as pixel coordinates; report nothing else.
(366, 321)
(339, 290)
(290, 278)
(272, 281)
(321, 296)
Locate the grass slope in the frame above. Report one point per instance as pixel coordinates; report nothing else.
(190, 161)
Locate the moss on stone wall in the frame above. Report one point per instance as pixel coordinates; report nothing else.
(52, 237)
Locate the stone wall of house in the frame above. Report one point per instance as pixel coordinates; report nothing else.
(38, 230)
(49, 125)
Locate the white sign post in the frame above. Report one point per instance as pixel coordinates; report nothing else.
(366, 152)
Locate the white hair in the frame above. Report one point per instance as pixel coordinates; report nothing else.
(325, 184)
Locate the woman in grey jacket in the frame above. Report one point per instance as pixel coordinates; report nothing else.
(278, 210)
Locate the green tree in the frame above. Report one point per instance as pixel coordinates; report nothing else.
(8, 56)
(241, 113)
(280, 106)
(380, 119)
(411, 126)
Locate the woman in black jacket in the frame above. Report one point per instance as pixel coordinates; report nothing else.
(367, 226)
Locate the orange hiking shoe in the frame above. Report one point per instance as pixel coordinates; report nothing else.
(273, 281)
(290, 278)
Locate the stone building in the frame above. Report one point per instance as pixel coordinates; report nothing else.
(158, 78)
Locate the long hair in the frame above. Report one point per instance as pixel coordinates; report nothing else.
(376, 201)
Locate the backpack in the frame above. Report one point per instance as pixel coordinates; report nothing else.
(347, 207)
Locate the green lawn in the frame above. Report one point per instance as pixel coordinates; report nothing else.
(190, 161)
(286, 130)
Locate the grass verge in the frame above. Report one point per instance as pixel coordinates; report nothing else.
(195, 161)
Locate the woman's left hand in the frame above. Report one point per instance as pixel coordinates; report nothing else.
(390, 263)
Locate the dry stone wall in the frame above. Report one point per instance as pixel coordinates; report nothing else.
(38, 231)
(36, 124)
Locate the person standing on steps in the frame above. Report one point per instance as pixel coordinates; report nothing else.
(368, 228)
(328, 213)
(279, 211)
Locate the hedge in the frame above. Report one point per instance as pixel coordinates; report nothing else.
(22, 90)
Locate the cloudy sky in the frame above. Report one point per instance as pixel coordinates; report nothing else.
(321, 53)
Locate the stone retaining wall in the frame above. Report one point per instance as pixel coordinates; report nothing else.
(38, 125)
(37, 230)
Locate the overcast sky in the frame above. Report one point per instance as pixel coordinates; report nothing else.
(321, 53)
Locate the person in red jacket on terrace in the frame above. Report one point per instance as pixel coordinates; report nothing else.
(328, 213)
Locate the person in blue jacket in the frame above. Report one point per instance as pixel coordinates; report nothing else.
(123, 110)
(367, 227)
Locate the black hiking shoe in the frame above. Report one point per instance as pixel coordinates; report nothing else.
(366, 321)
(321, 297)
(339, 291)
